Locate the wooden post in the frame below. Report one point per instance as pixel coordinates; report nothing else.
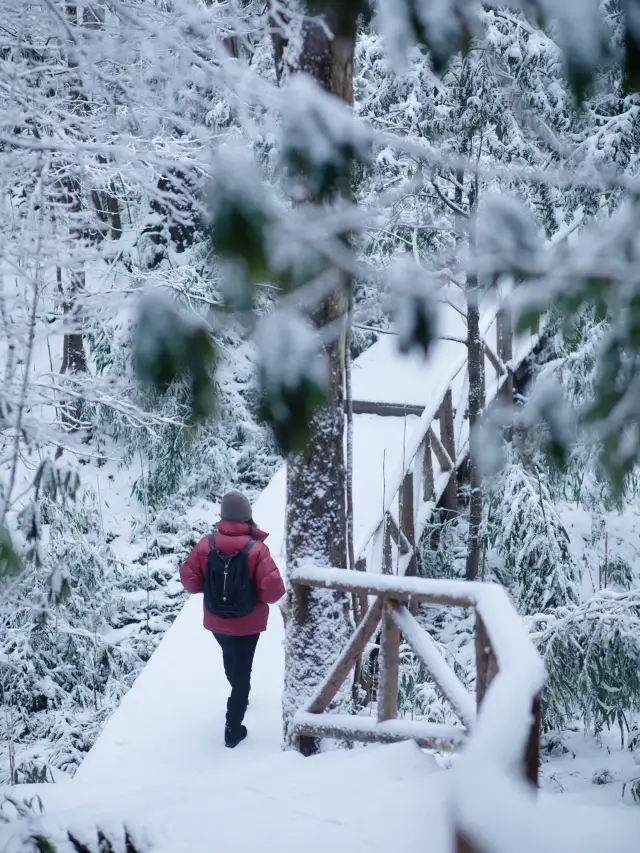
(347, 660)
(486, 661)
(532, 754)
(407, 519)
(389, 666)
(428, 490)
(505, 353)
(487, 669)
(363, 600)
(449, 500)
(387, 562)
(361, 603)
(389, 410)
(463, 845)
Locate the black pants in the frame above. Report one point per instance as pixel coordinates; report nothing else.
(237, 655)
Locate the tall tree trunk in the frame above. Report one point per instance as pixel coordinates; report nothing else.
(74, 359)
(108, 208)
(475, 361)
(319, 621)
(476, 389)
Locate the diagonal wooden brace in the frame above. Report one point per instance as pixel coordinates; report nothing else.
(398, 536)
(446, 462)
(340, 670)
(499, 367)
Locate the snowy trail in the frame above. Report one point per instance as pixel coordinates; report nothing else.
(172, 724)
(168, 731)
(171, 721)
(363, 801)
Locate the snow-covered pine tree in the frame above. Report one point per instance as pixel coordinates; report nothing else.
(232, 448)
(591, 652)
(62, 673)
(529, 536)
(474, 112)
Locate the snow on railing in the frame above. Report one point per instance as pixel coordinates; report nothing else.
(504, 739)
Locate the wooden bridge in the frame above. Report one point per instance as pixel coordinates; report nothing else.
(411, 435)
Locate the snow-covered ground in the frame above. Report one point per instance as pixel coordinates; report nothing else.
(588, 769)
(160, 764)
(160, 769)
(374, 800)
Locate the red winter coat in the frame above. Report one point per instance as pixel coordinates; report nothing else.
(233, 536)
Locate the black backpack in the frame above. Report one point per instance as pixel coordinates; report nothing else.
(228, 588)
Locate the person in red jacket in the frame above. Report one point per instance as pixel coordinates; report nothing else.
(237, 637)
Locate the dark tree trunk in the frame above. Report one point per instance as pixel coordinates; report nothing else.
(476, 388)
(106, 204)
(505, 353)
(319, 621)
(475, 362)
(449, 499)
(327, 58)
(74, 359)
(115, 216)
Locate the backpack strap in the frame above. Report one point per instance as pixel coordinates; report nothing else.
(212, 545)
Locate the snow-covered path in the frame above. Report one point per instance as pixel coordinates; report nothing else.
(161, 769)
(171, 721)
(172, 724)
(372, 800)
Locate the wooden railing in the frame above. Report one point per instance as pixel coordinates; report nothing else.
(509, 677)
(436, 448)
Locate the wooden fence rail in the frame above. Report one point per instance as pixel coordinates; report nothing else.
(502, 721)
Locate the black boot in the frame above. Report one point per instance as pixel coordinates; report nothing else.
(232, 737)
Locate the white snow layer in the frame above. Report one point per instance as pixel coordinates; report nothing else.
(376, 799)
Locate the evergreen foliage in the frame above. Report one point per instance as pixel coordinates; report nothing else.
(528, 534)
(592, 654)
(441, 548)
(418, 696)
(182, 460)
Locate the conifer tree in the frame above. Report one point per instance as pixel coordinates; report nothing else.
(529, 535)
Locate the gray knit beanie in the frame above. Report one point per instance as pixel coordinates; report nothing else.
(235, 507)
